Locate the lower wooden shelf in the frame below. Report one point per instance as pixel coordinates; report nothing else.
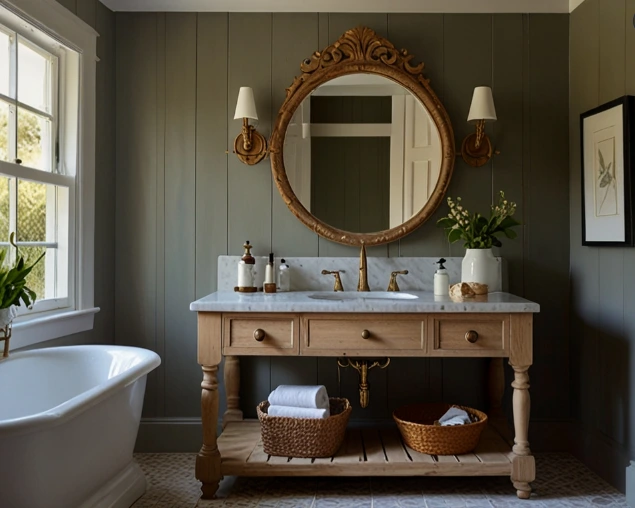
(365, 452)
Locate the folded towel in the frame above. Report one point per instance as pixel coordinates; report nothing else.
(454, 416)
(298, 412)
(314, 397)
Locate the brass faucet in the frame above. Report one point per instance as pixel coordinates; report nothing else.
(338, 281)
(362, 285)
(392, 285)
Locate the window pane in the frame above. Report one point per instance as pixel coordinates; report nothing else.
(5, 45)
(4, 209)
(6, 120)
(36, 280)
(34, 78)
(34, 140)
(31, 211)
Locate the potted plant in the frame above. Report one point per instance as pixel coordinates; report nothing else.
(13, 291)
(480, 234)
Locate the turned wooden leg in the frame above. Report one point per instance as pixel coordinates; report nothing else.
(232, 388)
(523, 464)
(208, 459)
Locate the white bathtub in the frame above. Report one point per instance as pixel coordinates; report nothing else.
(69, 418)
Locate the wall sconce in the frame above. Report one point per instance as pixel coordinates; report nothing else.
(250, 146)
(476, 149)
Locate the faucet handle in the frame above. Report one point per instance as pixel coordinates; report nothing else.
(392, 285)
(338, 281)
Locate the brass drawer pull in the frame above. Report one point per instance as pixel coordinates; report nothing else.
(365, 334)
(259, 334)
(471, 336)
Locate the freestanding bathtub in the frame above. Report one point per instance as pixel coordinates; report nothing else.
(69, 418)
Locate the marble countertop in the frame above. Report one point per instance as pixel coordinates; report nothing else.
(300, 301)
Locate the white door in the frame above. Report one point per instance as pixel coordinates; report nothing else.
(297, 153)
(415, 160)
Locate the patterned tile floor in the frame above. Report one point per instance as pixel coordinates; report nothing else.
(562, 482)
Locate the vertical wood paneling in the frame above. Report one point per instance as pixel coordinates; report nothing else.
(105, 177)
(584, 57)
(611, 359)
(180, 215)
(465, 69)
(160, 220)
(212, 110)
(547, 182)
(135, 219)
(507, 168)
(87, 11)
(467, 65)
(628, 386)
(249, 187)
(294, 38)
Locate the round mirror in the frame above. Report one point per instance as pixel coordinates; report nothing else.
(362, 150)
(362, 154)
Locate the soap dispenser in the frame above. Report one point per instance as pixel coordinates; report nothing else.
(246, 273)
(284, 276)
(441, 280)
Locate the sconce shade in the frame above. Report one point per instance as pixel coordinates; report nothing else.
(482, 107)
(246, 105)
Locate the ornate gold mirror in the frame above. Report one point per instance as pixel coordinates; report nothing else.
(362, 150)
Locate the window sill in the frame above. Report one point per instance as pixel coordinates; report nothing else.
(31, 330)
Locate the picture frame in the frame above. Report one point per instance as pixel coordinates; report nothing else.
(607, 145)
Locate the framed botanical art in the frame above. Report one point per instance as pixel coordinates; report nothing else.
(607, 173)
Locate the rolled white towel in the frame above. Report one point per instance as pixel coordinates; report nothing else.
(313, 397)
(454, 416)
(298, 412)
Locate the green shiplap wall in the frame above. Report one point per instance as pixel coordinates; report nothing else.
(182, 200)
(602, 290)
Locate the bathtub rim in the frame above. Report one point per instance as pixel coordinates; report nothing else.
(71, 408)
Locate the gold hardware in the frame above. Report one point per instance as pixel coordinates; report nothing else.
(250, 146)
(471, 336)
(476, 148)
(259, 334)
(392, 285)
(362, 284)
(362, 367)
(338, 281)
(365, 334)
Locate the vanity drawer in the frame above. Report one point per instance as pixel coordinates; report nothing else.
(476, 335)
(260, 334)
(360, 335)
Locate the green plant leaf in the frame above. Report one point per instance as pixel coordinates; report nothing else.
(510, 233)
(446, 222)
(454, 235)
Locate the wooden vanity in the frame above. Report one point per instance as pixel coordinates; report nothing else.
(498, 328)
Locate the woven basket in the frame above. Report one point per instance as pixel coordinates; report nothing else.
(304, 437)
(416, 424)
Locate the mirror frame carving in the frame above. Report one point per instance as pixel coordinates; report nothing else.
(361, 50)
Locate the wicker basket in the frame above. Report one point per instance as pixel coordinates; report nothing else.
(416, 424)
(304, 437)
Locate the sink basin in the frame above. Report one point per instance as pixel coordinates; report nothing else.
(354, 295)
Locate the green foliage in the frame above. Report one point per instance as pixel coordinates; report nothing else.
(29, 138)
(478, 231)
(13, 289)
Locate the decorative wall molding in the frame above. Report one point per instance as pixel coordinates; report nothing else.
(384, 6)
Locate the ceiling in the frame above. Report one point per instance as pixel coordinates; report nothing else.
(413, 6)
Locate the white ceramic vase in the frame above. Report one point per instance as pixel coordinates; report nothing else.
(480, 265)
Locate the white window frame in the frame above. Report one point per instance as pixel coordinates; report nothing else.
(29, 18)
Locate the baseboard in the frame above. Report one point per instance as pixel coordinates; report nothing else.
(602, 455)
(169, 435)
(184, 435)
